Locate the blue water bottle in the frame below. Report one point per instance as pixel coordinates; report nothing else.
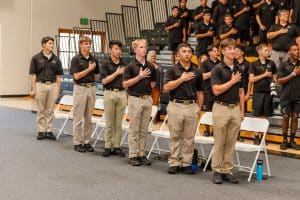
(259, 170)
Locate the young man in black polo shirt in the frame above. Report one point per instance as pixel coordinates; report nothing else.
(205, 69)
(220, 11)
(282, 35)
(45, 70)
(139, 79)
(177, 33)
(289, 78)
(265, 17)
(184, 82)
(115, 99)
(200, 10)
(228, 30)
(227, 112)
(242, 14)
(185, 16)
(84, 68)
(205, 32)
(261, 73)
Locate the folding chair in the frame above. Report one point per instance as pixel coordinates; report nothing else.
(154, 110)
(161, 133)
(59, 113)
(99, 121)
(206, 119)
(253, 125)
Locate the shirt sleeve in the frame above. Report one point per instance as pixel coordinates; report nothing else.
(274, 68)
(103, 70)
(169, 75)
(60, 70)
(32, 68)
(215, 76)
(153, 74)
(74, 66)
(281, 70)
(252, 68)
(199, 82)
(127, 73)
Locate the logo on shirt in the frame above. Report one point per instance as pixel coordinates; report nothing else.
(53, 61)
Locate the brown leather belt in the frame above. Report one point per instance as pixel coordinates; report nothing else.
(185, 102)
(144, 96)
(230, 105)
(47, 82)
(86, 84)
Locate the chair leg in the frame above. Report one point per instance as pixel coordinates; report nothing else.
(238, 160)
(94, 132)
(62, 128)
(208, 159)
(253, 165)
(202, 151)
(123, 138)
(152, 147)
(98, 137)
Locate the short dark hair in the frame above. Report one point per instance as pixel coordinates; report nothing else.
(240, 47)
(206, 12)
(291, 45)
(175, 7)
(227, 15)
(211, 47)
(46, 39)
(115, 42)
(181, 1)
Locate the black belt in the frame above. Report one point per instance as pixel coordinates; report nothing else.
(47, 82)
(115, 89)
(185, 102)
(144, 96)
(230, 105)
(86, 84)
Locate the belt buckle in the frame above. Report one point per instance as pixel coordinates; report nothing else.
(48, 82)
(144, 96)
(116, 90)
(231, 105)
(186, 102)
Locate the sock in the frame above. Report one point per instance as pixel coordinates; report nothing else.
(292, 137)
(284, 136)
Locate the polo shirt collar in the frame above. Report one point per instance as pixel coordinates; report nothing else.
(181, 67)
(82, 57)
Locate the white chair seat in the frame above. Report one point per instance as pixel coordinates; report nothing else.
(161, 134)
(204, 140)
(62, 115)
(247, 147)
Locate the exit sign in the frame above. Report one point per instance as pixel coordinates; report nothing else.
(84, 21)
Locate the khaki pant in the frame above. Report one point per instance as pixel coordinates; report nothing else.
(182, 120)
(46, 97)
(226, 124)
(84, 104)
(139, 118)
(114, 109)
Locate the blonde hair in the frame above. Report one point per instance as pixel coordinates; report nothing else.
(84, 38)
(150, 53)
(135, 43)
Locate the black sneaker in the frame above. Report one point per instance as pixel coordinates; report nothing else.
(79, 148)
(293, 145)
(134, 161)
(50, 136)
(40, 136)
(106, 153)
(217, 178)
(284, 145)
(188, 170)
(144, 160)
(88, 147)
(230, 178)
(173, 170)
(118, 152)
(256, 140)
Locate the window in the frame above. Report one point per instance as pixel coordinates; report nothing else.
(67, 43)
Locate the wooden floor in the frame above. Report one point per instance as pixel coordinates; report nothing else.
(27, 103)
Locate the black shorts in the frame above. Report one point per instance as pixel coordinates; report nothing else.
(173, 46)
(208, 102)
(244, 35)
(289, 106)
(262, 104)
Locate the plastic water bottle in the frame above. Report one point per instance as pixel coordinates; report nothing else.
(259, 170)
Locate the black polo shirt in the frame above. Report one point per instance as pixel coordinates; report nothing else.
(295, 5)
(244, 68)
(283, 41)
(225, 29)
(267, 14)
(219, 13)
(44, 68)
(203, 43)
(243, 21)
(202, 9)
(108, 67)
(80, 63)
(291, 89)
(221, 74)
(207, 66)
(185, 20)
(257, 68)
(175, 34)
(282, 4)
(143, 87)
(188, 89)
